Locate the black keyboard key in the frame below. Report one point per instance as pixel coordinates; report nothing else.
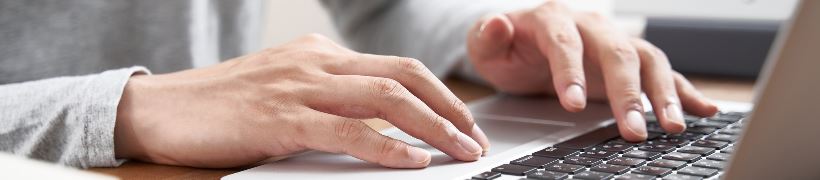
(642, 154)
(710, 144)
(627, 161)
(679, 156)
(665, 163)
(592, 175)
(554, 152)
(653, 135)
(733, 113)
(703, 151)
(681, 177)
(690, 118)
(671, 141)
(487, 176)
(653, 171)
(728, 119)
(685, 135)
(609, 168)
(534, 161)
(564, 168)
(706, 163)
(662, 148)
(632, 176)
(719, 156)
(547, 175)
(624, 142)
(722, 137)
(701, 130)
(590, 139)
(730, 131)
(655, 128)
(730, 149)
(698, 171)
(584, 161)
(614, 147)
(708, 123)
(600, 154)
(649, 116)
(513, 169)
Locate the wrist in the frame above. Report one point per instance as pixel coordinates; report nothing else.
(125, 144)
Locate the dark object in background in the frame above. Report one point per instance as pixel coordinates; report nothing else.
(736, 48)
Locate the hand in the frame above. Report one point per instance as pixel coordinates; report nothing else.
(550, 49)
(307, 94)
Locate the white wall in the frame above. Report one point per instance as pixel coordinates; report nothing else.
(288, 19)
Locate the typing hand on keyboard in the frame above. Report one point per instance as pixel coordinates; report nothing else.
(550, 49)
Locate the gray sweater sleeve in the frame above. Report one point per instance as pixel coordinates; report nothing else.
(68, 120)
(432, 31)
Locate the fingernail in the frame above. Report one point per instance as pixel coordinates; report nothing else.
(487, 19)
(576, 95)
(482, 27)
(674, 112)
(635, 122)
(478, 134)
(468, 144)
(418, 155)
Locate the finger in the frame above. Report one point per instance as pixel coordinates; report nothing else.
(490, 38)
(557, 37)
(398, 106)
(331, 133)
(692, 100)
(659, 84)
(620, 66)
(413, 75)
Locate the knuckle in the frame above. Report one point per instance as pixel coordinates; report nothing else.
(568, 40)
(315, 37)
(388, 146)
(439, 124)
(624, 53)
(350, 131)
(632, 95)
(412, 66)
(388, 88)
(655, 51)
(458, 108)
(552, 5)
(309, 55)
(648, 48)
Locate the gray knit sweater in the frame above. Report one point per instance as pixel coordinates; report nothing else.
(63, 64)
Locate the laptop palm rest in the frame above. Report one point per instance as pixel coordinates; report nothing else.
(514, 125)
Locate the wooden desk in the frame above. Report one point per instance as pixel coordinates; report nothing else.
(723, 89)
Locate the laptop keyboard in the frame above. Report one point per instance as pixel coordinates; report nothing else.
(702, 151)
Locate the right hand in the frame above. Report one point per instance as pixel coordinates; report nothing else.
(307, 94)
(580, 56)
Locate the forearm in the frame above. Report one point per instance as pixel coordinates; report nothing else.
(68, 120)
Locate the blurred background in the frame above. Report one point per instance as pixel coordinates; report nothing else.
(733, 35)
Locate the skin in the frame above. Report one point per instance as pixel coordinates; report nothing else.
(580, 56)
(311, 94)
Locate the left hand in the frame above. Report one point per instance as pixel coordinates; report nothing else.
(550, 49)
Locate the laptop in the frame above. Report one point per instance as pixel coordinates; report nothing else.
(534, 138)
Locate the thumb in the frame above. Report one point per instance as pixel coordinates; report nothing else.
(490, 38)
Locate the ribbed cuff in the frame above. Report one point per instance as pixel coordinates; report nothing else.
(102, 96)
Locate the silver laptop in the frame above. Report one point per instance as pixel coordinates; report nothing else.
(778, 138)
